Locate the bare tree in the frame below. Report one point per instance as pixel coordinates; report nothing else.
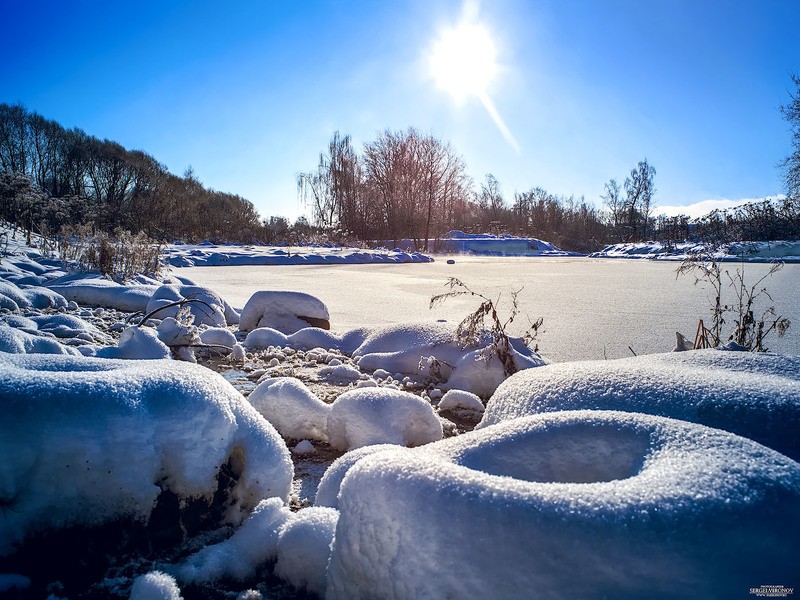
(791, 165)
(639, 192)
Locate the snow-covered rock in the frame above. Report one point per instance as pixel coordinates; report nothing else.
(373, 415)
(93, 440)
(218, 336)
(293, 409)
(461, 400)
(304, 547)
(756, 395)
(155, 586)
(287, 312)
(209, 309)
(136, 343)
(431, 350)
(579, 504)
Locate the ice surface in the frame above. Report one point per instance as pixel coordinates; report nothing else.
(756, 395)
(287, 312)
(579, 504)
(104, 437)
(366, 416)
(293, 409)
(304, 547)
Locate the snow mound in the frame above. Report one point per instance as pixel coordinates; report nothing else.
(15, 296)
(287, 312)
(756, 395)
(293, 409)
(431, 350)
(580, 504)
(94, 290)
(217, 336)
(366, 416)
(19, 341)
(264, 337)
(137, 343)
(328, 489)
(107, 437)
(460, 400)
(304, 547)
(211, 308)
(155, 586)
(340, 373)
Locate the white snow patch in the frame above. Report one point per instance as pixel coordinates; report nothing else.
(461, 400)
(328, 489)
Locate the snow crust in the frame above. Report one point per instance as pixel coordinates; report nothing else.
(374, 415)
(756, 395)
(104, 437)
(578, 504)
(282, 311)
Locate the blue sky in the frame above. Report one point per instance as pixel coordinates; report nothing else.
(249, 93)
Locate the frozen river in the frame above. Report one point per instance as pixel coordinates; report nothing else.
(592, 308)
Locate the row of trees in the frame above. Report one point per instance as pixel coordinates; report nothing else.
(409, 185)
(54, 177)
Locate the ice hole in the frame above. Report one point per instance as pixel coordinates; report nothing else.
(573, 453)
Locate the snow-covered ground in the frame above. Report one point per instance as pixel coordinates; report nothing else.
(741, 251)
(203, 481)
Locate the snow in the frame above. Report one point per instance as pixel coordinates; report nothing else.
(18, 341)
(328, 489)
(293, 409)
(95, 290)
(209, 309)
(786, 251)
(218, 336)
(106, 436)
(580, 504)
(366, 416)
(304, 547)
(287, 312)
(136, 343)
(238, 557)
(460, 400)
(155, 586)
(756, 395)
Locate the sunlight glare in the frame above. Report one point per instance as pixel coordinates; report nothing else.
(463, 61)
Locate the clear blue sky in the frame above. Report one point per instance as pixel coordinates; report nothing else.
(248, 93)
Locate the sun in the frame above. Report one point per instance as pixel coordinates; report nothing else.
(463, 61)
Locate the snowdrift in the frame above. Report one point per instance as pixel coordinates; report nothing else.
(786, 251)
(581, 504)
(751, 394)
(90, 440)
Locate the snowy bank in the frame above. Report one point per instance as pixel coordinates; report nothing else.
(211, 255)
(756, 395)
(487, 244)
(575, 504)
(93, 440)
(786, 251)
